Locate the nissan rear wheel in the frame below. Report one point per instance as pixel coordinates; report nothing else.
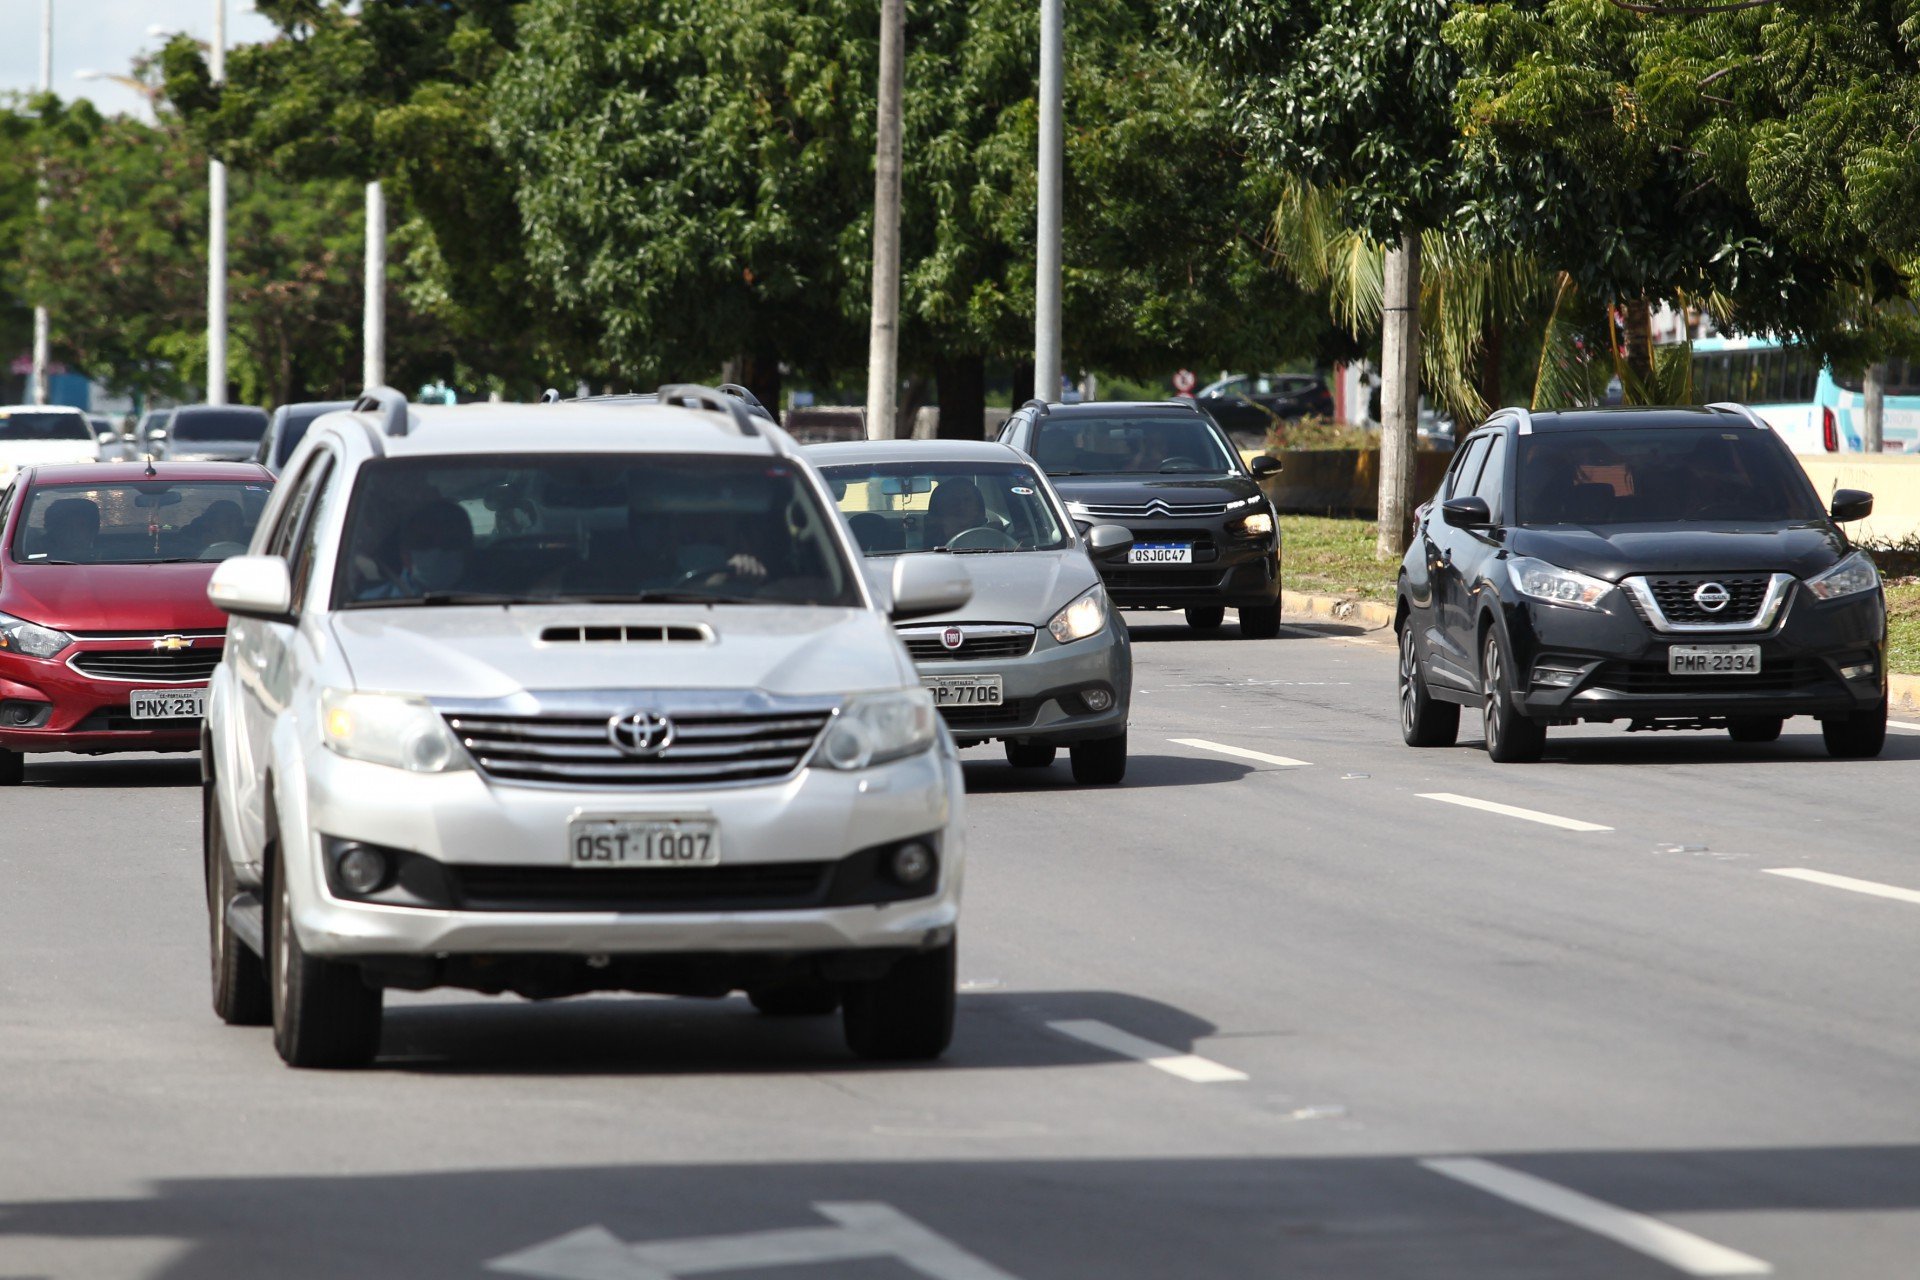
(1754, 728)
(906, 1015)
(1425, 721)
(240, 994)
(1512, 738)
(1101, 762)
(13, 768)
(1031, 755)
(324, 1013)
(1206, 617)
(1260, 622)
(1858, 736)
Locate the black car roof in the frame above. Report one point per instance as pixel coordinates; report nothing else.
(1130, 408)
(1637, 418)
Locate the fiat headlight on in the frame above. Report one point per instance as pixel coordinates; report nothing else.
(1082, 618)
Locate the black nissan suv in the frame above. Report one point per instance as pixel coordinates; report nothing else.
(1205, 536)
(1673, 568)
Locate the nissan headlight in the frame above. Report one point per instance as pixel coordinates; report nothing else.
(1082, 618)
(17, 635)
(1551, 583)
(877, 727)
(385, 728)
(1850, 577)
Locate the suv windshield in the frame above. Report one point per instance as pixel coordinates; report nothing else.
(1165, 443)
(895, 507)
(624, 527)
(18, 427)
(1659, 475)
(140, 522)
(219, 424)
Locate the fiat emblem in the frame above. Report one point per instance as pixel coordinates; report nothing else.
(1711, 596)
(953, 637)
(640, 733)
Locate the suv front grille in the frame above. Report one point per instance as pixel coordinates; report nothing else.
(924, 644)
(1148, 579)
(1746, 592)
(708, 748)
(1134, 511)
(747, 887)
(1776, 675)
(186, 666)
(1013, 711)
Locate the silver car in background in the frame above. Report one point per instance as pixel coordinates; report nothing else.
(1039, 659)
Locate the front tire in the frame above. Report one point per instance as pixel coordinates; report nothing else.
(1755, 728)
(1101, 762)
(908, 1014)
(1260, 622)
(1512, 738)
(241, 997)
(1031, 755)
(1425, 721)
(13, 768)
(1206, 617)
(1858, 736)
(324, 1015)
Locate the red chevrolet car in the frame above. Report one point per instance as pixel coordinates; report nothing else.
(106, 635)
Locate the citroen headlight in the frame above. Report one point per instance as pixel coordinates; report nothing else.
(17, 635)
(1850, 577)
(385, 728)
(1555, 585)
(877, 727)
(1257, 525)
(1082, 618)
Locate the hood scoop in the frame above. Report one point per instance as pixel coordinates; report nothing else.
(646, 633)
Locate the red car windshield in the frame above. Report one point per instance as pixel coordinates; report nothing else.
(138, 522)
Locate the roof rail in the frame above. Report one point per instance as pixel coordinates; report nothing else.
(697, 396)
(1745, 411)
(1523, 418)
(1040, 407)
(739, 392)
(550, 396)
(390, 405)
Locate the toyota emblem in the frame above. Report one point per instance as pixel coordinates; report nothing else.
(1711, 596)
(641, 733)
(953, 637)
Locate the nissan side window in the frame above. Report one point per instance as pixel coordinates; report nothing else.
(310, 530)
(1493, 475)
(1467, 470)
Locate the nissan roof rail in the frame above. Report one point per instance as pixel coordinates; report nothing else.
(390, 405)
(1523, 418)
(1040, 407)
(694, 395)
(1744, 411)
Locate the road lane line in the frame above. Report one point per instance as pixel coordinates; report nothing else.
(1681, 1250)
(1185, 1065)
(1847, 882)
(1285, 762)
(1903, 726)
(1513, 811)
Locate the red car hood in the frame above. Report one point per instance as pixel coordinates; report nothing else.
(112, 597)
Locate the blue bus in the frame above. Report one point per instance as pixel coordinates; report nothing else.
(1813, 410)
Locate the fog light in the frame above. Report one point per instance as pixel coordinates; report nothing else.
(362, 870)
(1554, 677)
(911, 863)
(1097, 699)
(1858, 671)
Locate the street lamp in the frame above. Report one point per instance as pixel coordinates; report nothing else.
(217, 233)
(42, 331)
(1046, 280)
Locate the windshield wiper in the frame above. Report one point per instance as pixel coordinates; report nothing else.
(662, 597)
(431, 598)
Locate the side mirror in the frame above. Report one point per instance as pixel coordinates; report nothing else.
(924, 585)
(1265, 465)
(253, 587)
(109, 436)
(1467, 513)
(157, 433)
(1851, 504)
(1109, 541)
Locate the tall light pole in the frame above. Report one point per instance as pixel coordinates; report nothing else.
(217, 232)
(42, 335)
(883, 346)
(1046, 280)
(373, 337)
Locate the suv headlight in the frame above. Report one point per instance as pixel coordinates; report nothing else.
(1082, 618)
(1850, 577)
(877, 727)
(1555, 585)
(385, 728)
(1257, 525)
(17, 635)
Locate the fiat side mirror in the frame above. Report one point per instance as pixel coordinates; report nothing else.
(924, 585)
(1851, 504)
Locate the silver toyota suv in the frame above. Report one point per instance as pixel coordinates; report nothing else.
(569, 698)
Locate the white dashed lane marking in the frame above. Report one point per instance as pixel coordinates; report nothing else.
(1187, 1066)
(1513, 811)
(1681, 1250)
(1903, 726)
(1285, 762)
(1871, 887)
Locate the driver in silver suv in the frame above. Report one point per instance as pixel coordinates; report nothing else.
(569, 698)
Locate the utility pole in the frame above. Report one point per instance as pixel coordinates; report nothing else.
(42, 335)
(1046, 279)
(373, 371)
(883, 349)
(1399, 393)
(217, 233)
(1873, 430)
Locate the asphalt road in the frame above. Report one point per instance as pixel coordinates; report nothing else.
(1242, 1017)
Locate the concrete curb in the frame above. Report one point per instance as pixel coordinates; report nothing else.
(1370, 614)
(1903, 693)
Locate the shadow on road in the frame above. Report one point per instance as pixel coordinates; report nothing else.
(1156, 628)
(114, 772)
(1797, 745)
(990, 774)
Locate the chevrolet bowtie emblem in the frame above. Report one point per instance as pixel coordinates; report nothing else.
(173, 644)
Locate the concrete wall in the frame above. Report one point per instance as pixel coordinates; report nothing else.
(1892, 479)
(1342, 482)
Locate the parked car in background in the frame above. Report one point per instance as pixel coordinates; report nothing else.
(150, 421)
(1205, 538)
(44, 433)
(106, 432)
(106, 634)
(288, 427)
(210, 433)
(1038, 659)
(1246, 405)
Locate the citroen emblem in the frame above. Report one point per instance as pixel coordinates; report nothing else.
(173, 644)
(640, 733)
(953, 637)
(1711, 596)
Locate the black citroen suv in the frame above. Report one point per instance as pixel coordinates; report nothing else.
(1205, 537)
(1672, 568)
